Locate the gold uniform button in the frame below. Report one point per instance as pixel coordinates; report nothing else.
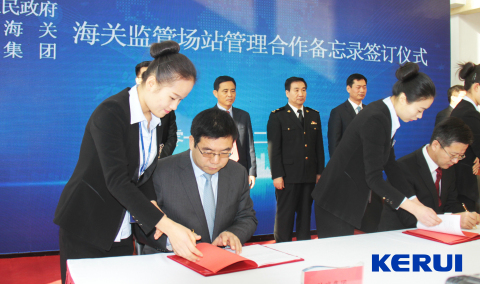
(305, 145)
(288, 128)
(304, 132)
(306, 158)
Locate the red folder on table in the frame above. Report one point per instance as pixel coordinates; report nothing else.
(220, 261)
(448, 239)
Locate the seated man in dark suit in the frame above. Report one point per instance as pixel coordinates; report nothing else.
(225, 90)
(203, 189)
(429, 170)
(455, 95)
(340, 118)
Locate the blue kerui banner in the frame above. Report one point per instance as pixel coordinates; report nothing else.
(60, 59)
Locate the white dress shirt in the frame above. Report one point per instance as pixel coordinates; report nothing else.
(432, 167)
(230, 110)
(355, 106)
(296, 109)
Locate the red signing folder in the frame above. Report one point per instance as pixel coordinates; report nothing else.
(448, 239)
(220, 261)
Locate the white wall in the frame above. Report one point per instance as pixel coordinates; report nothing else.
(465, 42)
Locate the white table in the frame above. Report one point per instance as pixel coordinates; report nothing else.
(339, 251)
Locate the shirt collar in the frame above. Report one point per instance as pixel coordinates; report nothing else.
(295, 109)
(136, 113)
(230, 110)
(432, 166)
(354, 105)
(196, 170)
(395, 121)
(470, 101)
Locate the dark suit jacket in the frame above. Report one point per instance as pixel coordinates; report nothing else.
(104, 182)
(178, 196)
(355, 168)
(340, 118)
(466, 180)
(418, 175)
(443, 114)
(169, 134)
(245, 146)
(295, 150)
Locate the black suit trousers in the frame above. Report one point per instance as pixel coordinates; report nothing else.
(72, 247)
(329, 225)
(294, 198)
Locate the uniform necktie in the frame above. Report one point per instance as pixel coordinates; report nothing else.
(209, 203)
(300, 116)
(234, 155)
(437, 184)
(359, 108)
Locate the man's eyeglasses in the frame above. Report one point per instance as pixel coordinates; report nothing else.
(211, 155)
(457, 157)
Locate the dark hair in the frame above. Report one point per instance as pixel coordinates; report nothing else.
(169, 65)
(414, 84)
(353, 77)
(470, 73)
(213, 123)
(453, 89)
(290, 80)
(452, 130)
(140, 66)
(223, 79)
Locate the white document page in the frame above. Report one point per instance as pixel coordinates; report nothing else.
(263, 255)
(450, 225)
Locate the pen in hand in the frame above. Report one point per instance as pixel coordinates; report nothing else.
(466, 210)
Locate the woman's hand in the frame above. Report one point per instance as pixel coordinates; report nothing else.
(424, 214)
(476, 166)
(182, 239)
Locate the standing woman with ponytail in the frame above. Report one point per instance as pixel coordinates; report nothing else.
(467, 110)
(366, 149)
(111, 182)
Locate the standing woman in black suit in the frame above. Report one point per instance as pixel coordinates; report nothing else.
(118, 155)
(366, 149)
(467, 110)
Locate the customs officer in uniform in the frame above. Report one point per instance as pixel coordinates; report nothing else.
(295, 150)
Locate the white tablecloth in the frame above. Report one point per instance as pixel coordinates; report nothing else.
(339, 251)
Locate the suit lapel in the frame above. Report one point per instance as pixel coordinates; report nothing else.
(426, 176)
(190, 186)
(447, 179)
(236, 116)
(351, 112)
(293, 116)
(135, 154)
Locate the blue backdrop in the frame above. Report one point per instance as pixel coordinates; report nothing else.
(61, 59)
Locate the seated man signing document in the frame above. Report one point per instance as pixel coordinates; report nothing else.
(429, 170)
(203, 189)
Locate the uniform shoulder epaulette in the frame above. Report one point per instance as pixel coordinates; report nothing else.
(309, 108)
(278, 109)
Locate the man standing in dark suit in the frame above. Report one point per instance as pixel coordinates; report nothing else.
(224, 89)
(340, 118)
(342, 115)
(295, 150)
(455, 95)
(203, 190)
(429, 171)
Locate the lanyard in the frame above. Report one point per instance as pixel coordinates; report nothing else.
(145, 161)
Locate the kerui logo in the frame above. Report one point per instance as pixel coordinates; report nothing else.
(416, 263)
